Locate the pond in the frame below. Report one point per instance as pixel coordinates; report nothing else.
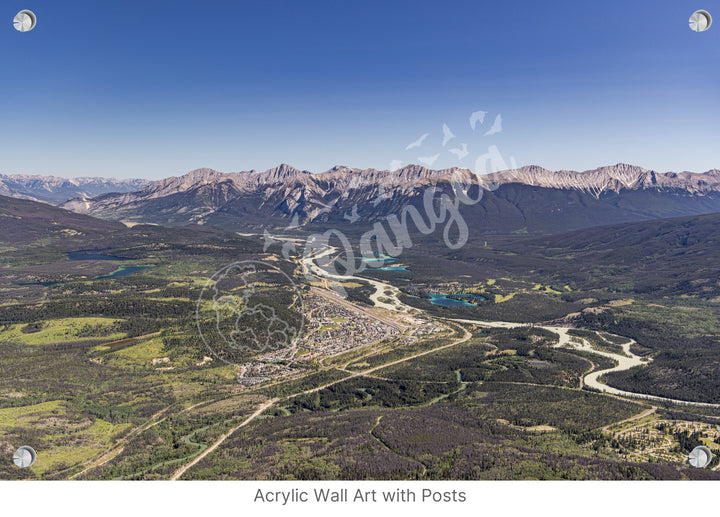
(442, 299)
(94, 254)
(122, 271)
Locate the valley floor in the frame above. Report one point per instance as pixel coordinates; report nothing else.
(375, 390)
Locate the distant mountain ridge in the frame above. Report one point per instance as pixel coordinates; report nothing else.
(519, 199)
(608, 178)
(284, 191)
(54, 190)
(612, 178)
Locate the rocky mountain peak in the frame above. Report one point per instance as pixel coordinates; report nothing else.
(206, 195)
(282, 172)
(199, 175)
(611, 178)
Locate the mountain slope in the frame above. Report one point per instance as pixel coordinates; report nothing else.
(529, 199)
(25, 223)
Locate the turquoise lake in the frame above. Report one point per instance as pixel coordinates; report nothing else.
(443, 300)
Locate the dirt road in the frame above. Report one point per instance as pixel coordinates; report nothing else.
(219, 441)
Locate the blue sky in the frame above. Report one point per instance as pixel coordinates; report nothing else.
(158, 88)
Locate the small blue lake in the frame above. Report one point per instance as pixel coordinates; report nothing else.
(99, 254)
(95, 254)
(443, 300)
(122, 271)
(393, 268)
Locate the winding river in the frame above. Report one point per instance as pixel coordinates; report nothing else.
(388, 297)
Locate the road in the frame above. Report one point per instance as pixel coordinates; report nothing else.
(116, 449)
(381, 288)
(178, 473)
(624, 361)
(119, 446)
(645, 413)
(330, 295)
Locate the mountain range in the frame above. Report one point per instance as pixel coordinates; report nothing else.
(530, 199)
(54, 190)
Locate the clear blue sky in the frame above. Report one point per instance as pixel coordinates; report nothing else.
(158, 88)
